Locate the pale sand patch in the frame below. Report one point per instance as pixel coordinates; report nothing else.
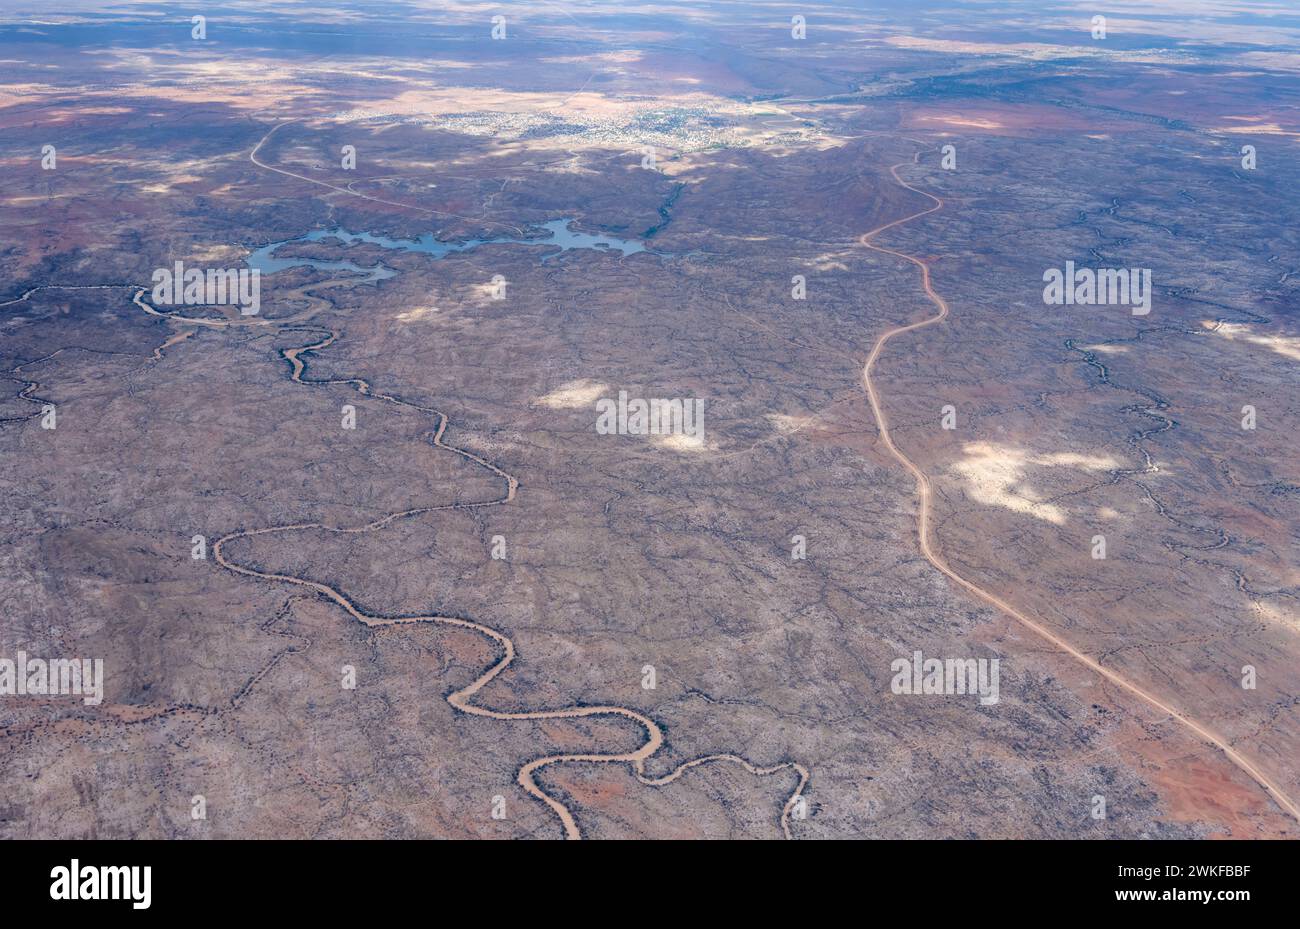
(1258, 129)
(969, 122)
(1288, 346)
(827, 263)
(1036, 51)
(1278, 615)
(415, 314)
(1107, 349)
(575, 395)
(995, 476)
(623, 56)
(957, 46)
(487, 291)
(216, 253)
(788, 425)
(1075, 460)
(684, 443)
(19, 201)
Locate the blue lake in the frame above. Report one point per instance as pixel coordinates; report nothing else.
(558, 238)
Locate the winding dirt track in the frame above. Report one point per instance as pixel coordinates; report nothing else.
(924, 495)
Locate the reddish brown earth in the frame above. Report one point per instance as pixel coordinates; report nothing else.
(223, 674)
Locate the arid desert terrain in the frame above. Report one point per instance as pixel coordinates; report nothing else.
(384, 554)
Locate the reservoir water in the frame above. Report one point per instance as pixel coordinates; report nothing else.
(558, 234)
